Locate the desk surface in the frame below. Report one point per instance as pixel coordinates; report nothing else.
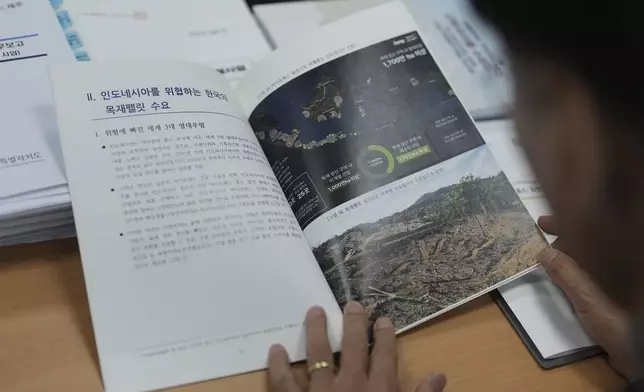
(46, 340)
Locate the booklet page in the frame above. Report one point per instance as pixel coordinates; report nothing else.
(193, 260)
(30, 39)
(401, 200)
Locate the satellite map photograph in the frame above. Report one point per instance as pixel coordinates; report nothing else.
(385, 110)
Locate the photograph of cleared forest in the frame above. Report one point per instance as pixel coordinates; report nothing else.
(449, 245)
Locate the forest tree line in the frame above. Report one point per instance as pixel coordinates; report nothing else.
(469, 197)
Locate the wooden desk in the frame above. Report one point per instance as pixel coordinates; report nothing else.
(46, 340)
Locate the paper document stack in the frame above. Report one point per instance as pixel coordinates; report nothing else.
(34, 199)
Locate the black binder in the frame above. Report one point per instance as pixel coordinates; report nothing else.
(543, 362)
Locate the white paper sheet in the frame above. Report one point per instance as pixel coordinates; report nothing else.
(179, 290)
(221, 34)
(546, 315)
(287, 21)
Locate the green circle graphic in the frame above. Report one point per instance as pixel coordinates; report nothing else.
(366, 170)
(390, 158)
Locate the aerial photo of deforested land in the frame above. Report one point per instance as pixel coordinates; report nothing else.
(450, 244)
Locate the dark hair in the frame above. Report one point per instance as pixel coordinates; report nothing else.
(603, 42)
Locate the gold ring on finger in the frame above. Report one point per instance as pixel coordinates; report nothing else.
(320, 365)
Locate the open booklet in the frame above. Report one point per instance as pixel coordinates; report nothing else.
(342, 167)
(472, 58)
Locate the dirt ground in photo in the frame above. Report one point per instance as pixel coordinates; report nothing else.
(410, 270)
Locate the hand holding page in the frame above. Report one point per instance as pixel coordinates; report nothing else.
(193, 260)
(533, 300)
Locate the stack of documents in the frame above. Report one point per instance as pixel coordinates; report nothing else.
(34, 200)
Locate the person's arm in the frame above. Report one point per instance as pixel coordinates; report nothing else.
(605, 322)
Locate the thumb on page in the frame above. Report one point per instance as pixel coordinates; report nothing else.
(571, 279)
(605, 322)
(547, 224)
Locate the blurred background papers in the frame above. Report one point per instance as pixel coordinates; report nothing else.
(34, 199)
